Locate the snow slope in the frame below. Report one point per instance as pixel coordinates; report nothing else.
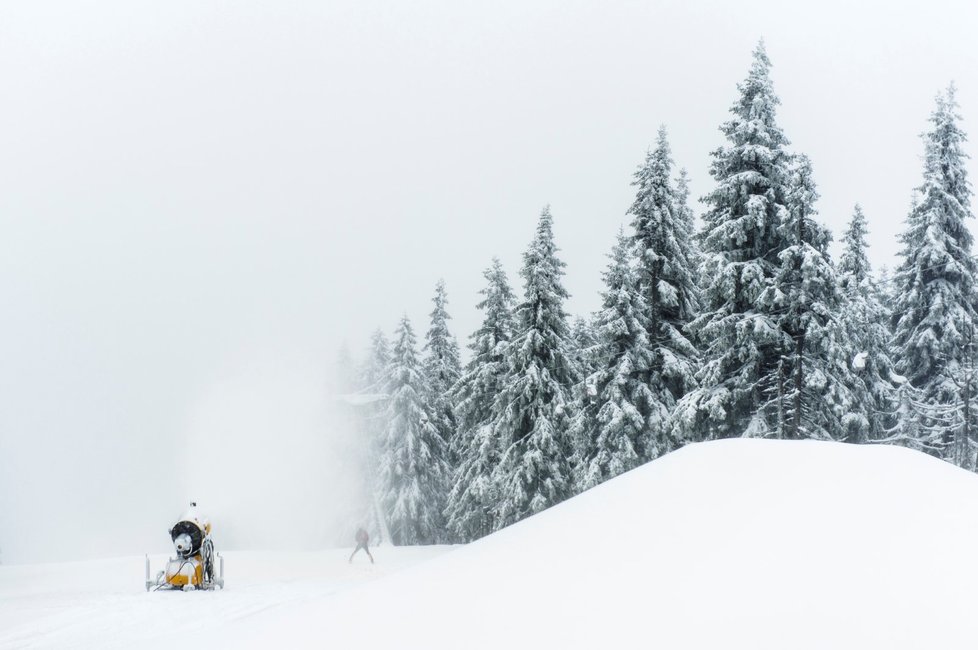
(736, 544)
(102, 604)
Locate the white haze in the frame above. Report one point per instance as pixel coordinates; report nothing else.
(202, 201)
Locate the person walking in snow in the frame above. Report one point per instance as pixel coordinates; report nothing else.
(363, 538)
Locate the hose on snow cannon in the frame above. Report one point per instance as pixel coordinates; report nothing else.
(193, 567)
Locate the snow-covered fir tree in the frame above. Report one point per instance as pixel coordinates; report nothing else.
(664, 246)
(533, 409)
(585, 342)
(584, 354)
(413, 470)
(811, 389)
(854, 267)
(934, 311)
(688, 219)
(372, 384)
(865, 338)
(470, 503)
(476, 390)
(738, 331)
(964, 414)
(442, 367)
(371, 423)
(374, 376)
(908, 419)
(374, 371)
(613, 423)
(885, 288)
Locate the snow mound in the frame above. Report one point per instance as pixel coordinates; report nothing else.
(753, 544)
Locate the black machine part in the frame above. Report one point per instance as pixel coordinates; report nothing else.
(193, 531)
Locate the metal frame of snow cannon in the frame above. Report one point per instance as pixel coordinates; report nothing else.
(193, 567)
(210, 581)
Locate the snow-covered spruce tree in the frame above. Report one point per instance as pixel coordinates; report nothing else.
(413, 469)
(663, 244)
(533, 409)
(688, 219)
(612, 424)
(907, 419)
(934, 309)
(374, 371)
(865, 338)
(372, 422)
(373, 386)
(739, 333)
(441, 368)
(811, 390)
(886, 290)
(584, 352)
(584, 355)
(470, 503)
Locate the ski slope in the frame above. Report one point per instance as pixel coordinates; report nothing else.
(741, 544)
(102, 603)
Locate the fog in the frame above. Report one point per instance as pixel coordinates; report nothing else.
(202, 201)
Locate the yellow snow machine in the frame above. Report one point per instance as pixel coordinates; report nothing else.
(195, 564)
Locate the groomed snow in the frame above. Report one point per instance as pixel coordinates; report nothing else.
(742, 544)
(102, 604)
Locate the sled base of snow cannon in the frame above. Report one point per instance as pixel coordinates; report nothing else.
(187, 574)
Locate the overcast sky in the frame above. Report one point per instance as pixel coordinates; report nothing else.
(201, 201)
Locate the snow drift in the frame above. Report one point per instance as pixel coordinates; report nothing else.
(734, 544)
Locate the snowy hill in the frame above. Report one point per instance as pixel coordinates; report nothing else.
(734, 544)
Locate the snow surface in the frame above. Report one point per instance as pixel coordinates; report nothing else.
(102, 604)
(751, 544)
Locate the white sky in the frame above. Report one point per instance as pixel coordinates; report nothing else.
(202, 200)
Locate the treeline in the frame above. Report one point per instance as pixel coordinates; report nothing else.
(745, 327)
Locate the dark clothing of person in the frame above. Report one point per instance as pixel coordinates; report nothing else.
(362, 540)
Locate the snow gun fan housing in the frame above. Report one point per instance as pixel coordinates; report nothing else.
(193, 567)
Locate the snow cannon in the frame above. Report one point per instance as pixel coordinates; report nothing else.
(193, 567)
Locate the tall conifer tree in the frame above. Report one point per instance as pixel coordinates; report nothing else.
(372, 416)
(664, 246)
(813, 377)
(613, 423)
(413, 469)
(470, 504)
(739, 326)
(863, 323)
(688, 219)
(934, 314)
(374, 372)
(442, 367)
(532, 411)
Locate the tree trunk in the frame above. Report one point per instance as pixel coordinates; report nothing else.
(781, 398)
(796, 427)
